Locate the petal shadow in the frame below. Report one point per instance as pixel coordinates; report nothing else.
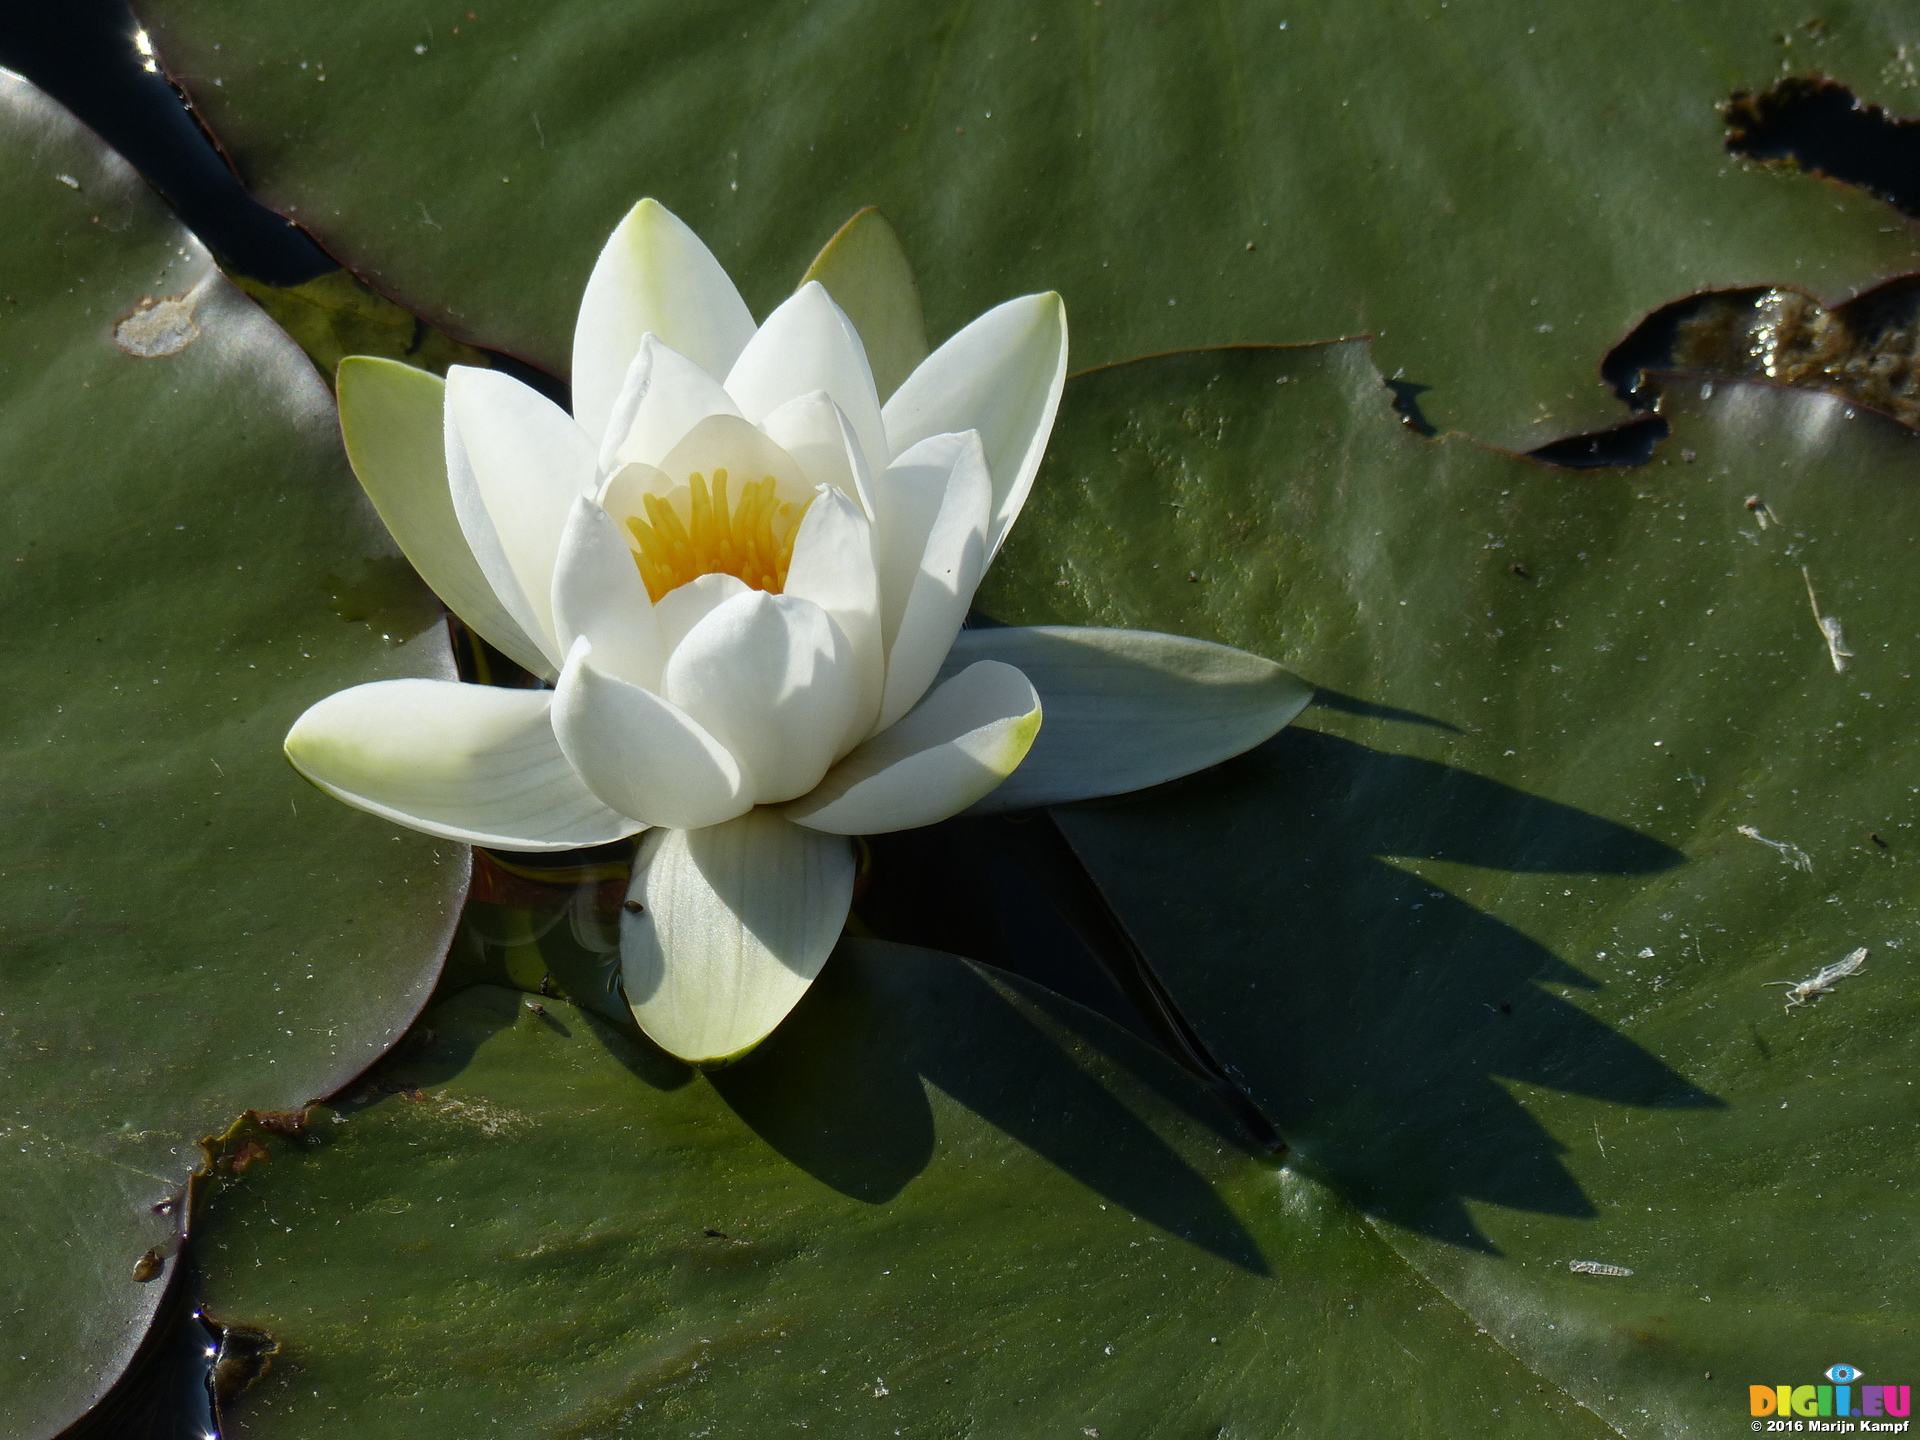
(1369, 1013)
(838, 1090)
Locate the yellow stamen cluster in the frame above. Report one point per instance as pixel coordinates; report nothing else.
(751, 540)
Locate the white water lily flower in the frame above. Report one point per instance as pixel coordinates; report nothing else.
(745, 576)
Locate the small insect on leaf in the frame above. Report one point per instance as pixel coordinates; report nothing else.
(149, 1266)
(1822, 982)
(1597, 1267)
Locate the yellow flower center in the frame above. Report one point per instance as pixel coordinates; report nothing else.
(751, 539)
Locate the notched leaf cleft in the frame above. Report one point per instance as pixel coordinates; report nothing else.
(338, 314)
(1819, 125)
(245, 1354)
(241, 1144)
(1865, 350)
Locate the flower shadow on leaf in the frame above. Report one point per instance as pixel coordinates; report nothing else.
(838, 1090)
(430, 1056)
(1009, 892)
(1370, 1014)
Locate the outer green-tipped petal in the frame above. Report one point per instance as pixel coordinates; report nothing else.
(955, 747)
(391, 417)
(466, 762)
(525, 463)
(1130, 708)
(735, 921)
(808, 344)
(1002, 375)
(865, 269)
(641, 755)
(931, 543)
(654, 275)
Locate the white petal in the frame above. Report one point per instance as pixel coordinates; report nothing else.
(392, 417)
(720, 442)
(815, 431)
(1130, 708)
(598, 593)
(907, 501)
(654, 275)
(772, 679)
(684, 607)
(950, 750)
(466, 762)
(665, 395)
(934, 503)
(833, 567)
(809, 344)
(1002, 375)
(529, 462)
(735, 921)
(641, 755)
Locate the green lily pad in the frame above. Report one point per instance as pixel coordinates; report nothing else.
(1490, 932)
(189, 929)
(1498, 191)
(935, 1202)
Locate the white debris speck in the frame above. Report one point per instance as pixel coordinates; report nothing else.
(482, 1114)
(1789, 854)
(68, 181)
(1829, 628)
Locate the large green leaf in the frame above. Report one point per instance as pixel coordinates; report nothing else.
(189, 930)
(934, 1202)
(1498, 190)
(1489, 933)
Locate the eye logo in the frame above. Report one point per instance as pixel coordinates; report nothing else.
(1875, 1401)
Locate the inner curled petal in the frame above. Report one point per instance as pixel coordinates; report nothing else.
(700, 531)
